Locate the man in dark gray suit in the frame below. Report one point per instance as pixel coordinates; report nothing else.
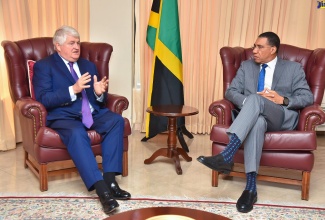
(269, 92)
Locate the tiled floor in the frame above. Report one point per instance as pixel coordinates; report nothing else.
(159, 179)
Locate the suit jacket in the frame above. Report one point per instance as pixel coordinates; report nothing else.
(288, 80)
(51, 81)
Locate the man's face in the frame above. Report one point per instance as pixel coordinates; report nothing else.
(70, 49)
(262, 51)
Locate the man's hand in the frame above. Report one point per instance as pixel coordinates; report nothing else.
(272, 96)
(101, 86)
(82, 83)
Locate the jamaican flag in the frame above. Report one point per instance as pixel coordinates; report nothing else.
(166, 87)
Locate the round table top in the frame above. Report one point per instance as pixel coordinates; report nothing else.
(172, 110)
(166, 213)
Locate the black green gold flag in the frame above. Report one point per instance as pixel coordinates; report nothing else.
(163, 37)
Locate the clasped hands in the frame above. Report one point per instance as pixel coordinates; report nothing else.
(99, 86)
(272, 96)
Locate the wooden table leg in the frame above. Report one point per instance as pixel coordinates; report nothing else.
(181, 151)
(178, 168)
(157, 153)
(172, 151)
(172, 142)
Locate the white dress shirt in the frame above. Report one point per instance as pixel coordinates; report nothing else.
(73, 96)
(269, 72)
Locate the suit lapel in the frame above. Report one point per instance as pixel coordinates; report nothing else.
(278, 71)
(256, 74)
(83, 69)
(63, 68)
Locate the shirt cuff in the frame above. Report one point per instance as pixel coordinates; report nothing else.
(72, 95)
(99, 98)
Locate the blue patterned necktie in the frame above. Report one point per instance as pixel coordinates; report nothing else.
(87, 118)
(261, 78)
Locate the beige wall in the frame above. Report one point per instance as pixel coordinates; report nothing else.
(111, 21)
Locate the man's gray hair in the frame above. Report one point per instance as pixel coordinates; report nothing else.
(60, 35)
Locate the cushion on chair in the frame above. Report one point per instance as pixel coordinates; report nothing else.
(280, 140)
(48, 138)
(30, 72)
(276, 158)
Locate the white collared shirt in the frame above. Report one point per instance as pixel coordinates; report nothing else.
(269, 72)
(73, 96)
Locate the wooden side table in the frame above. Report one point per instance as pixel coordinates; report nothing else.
(172, 112)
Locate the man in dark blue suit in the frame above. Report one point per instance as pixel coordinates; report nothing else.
(68, 87)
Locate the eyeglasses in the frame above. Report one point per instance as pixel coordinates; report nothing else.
(259, 47)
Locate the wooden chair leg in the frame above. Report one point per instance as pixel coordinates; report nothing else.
(43, 177)
(215, 176)
(125, 168)
(226, 177)
(305, 183)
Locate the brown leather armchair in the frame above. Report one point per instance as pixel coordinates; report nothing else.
(292, 150)
(42, 145)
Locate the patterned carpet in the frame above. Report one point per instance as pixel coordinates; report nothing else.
(58, 207)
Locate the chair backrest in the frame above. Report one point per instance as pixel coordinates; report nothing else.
(17, 53)
(312, 61)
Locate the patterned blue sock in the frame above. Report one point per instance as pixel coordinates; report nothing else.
(231, 149)
(251, 181)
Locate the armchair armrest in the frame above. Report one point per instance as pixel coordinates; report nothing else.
(221, 109)
(310, 117)
(117, 103)
(32, 115)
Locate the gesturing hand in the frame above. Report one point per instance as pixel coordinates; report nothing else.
(272, 96)
(82, 83)
(101, 86)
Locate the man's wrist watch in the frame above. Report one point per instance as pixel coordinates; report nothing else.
(285, 101)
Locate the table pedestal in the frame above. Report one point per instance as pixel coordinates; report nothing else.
(172, 151)
(172, 112)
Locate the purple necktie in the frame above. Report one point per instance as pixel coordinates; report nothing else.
(261, 78)
(87, 118)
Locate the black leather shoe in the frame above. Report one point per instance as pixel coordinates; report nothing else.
(109, 204)
(118, 193)
(216, 163)
(246, 201)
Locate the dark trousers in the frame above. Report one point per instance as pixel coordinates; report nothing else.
(74, 135)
